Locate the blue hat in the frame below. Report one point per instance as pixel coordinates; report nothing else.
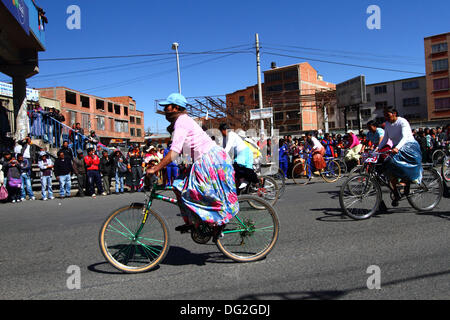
(175, 98)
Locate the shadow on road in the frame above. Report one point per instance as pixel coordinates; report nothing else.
(106, 268)
(178, 256)
(439, 214)
(329, 295)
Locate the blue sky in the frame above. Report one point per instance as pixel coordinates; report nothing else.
(338, 28)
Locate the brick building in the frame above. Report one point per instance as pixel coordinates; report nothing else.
(437, 75)
(290, 91)
(115, 120)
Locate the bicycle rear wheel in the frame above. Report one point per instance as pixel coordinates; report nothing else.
(281, 181)
(128, 251)
(445, 170)
(332, 171)
(301, 173)
(252, 233)
(360, 196)
(428, 194)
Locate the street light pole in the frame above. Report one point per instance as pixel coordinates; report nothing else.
(175, 46)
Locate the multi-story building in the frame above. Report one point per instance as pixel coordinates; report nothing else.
(115, 120)
(290, 91)
(408, 96)
(437, 75)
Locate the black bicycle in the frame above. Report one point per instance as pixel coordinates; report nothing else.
(360, 195)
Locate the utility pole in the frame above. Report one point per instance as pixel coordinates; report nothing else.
(258, 70)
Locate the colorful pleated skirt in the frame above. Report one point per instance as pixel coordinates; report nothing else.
(209, 191)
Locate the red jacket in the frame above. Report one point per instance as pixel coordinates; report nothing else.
(92, 163)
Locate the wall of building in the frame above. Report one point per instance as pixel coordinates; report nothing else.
(438, 96)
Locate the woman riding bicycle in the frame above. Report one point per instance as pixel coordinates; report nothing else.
(209, 190)
(406, 162)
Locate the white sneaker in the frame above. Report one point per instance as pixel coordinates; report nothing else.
(33, 198)
(104, 194)
(23, 199)
(14, 201)
(93, 196)
(51, 198)
(243, 185)
(44, 199)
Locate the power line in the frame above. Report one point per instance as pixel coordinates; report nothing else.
(342, 63)
(149, 76)
(142, 55)
(354, 57)
(348, 52)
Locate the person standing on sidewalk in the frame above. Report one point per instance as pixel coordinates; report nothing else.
(63, 172)
(136, 163)
(106, 169)
(46, 166)
(25, 168)
(79, 169)
(93, 174)
(119, 169)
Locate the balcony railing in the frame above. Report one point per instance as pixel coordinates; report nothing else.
(54, 133)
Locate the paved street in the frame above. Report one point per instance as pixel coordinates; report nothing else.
(319, 255)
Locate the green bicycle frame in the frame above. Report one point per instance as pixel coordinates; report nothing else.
(155, 195)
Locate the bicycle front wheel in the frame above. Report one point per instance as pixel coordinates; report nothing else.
(427, 195)
(332, 171)
(301, 173)
(130, 244)
(360, 196)
(438, 157)
(252, 233)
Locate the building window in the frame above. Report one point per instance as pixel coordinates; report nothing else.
(440, 47)
(132, 132)
(85, 121)
(291, 74)
(275, 88)
(278, 116)
(241, 99)
(125, 111)
(380, 89)
(73, 118)
(101, 123)
(110, 107)
(292, 115)
(380, 104)
(331, 124)
(440, 65)
(271, 77)
(355, 123)
(131, 119)
(409, 85)
(409, 102)
(442, 103)
(414, 116)
(85, 103)
(295, 127)
(138, 120)
(132, 106)
(366, 113)
(368, 97)
(71, 97)
(121, 126)
(440, 84)
(100, 104)
(291, 86)
(117, 109)
(138, 132)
